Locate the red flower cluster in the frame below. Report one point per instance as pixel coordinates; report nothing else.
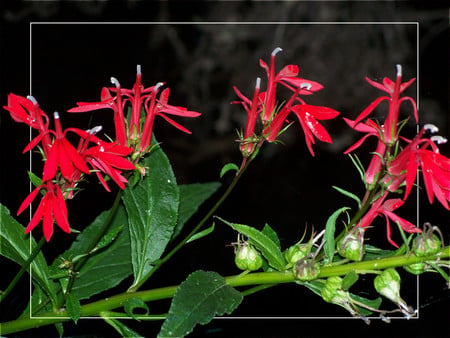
(137, 134)
(273, 116)
(391, 169)
(64, 163)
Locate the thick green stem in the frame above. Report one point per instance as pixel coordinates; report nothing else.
(34, 253)
(195, 229)
(259, 278)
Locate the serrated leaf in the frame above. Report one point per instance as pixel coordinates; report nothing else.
(73, 307)
(191, 197)
(328, 237)
(203, 295)
(121, 328)
(60, 328)
(269, 232)
(152, 208)
(227, 167)
(349, 279)
(103, 269)
(15, 245)
(201, 234)
(108, 238)
(135, 303)
(348, 194)
(263, 243)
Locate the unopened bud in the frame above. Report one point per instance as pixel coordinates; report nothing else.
(297, 252)
(427, 243)
(248, 258)
(306, 269)
(387, 284)
(351, 246)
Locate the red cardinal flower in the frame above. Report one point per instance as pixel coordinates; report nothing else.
(435, 167)
(394, 89)
(109, 159)
(51, 208)
(386, 208)
(253, 109)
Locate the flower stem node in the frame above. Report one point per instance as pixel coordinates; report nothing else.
(248, 258)
(306, 269)
(387, 284)
(351, 246)
(427, 243)
(416, 268)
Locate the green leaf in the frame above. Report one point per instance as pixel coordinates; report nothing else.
(108, 238)
(105, 268)
(269, 232)
(328, 237)
(73, 307)
(227, 167)
(121, 328)
(201, 234)
(37, 181)
(191, 197)
(197, 300)
(373, 303)
(152, 207)
(349, 279)
(348, 194)
(15, 245)
(263, 243)
(60, 328)
(372, 252)
(135, 303)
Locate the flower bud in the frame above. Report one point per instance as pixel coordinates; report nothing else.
(332, 290)
(387, 284)
(306, 269)
(416, 268)
(426, 243)
(297, 252)
(351, 246)
(248, 258)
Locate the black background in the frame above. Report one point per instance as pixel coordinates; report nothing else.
(285, 186)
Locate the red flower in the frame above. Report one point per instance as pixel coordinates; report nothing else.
(371, 129)
(287, 77)
(394, 90)
(61, 154)
(386, 208)
(435, 168)
(253, 109)
(109, 158)
(51, 208)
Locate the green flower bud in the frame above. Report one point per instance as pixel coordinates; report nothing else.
(426, 244)
(351, 246)
(332, 290)
(297, 252)
(416, 268)
(387, 284)
(248, 258)
(306, 269)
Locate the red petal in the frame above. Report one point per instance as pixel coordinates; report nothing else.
(47, 222)
(405, 85)
(175, 124)
(29, 199)
(85, 106)
(36, 217)
(371, 107)
(51, 164)
(288, 71)
(379, 86)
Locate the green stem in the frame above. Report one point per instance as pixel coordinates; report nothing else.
(258, 278)
(34, 253)
(161, 261)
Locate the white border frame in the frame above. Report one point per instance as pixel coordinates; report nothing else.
(416, 23)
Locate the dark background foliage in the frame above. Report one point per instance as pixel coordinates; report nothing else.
(334, 43)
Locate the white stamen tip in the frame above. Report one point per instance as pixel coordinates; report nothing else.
(399, 70)
(32, 99)
(138, 69)
(258, 83)
(94, 130)
(438, 139)
(56, 115)
(431, 128)
(276, 50)
(115, 82)
(158, 85)
(305, 85)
